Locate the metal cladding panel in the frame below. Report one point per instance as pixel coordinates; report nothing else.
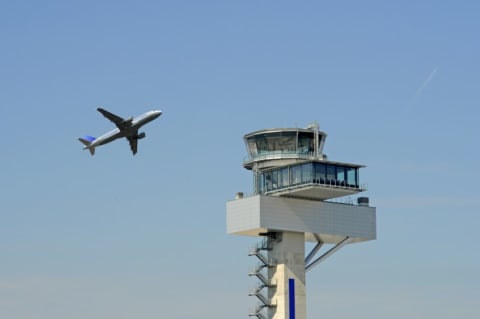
(243, 216)
(332, 222)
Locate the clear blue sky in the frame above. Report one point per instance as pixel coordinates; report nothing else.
(395, 86)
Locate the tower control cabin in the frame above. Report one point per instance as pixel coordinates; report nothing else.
(293, 181)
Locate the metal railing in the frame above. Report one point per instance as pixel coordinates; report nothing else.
(268, 155)
(333, 183)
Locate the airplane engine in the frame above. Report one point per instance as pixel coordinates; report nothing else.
(140, 135)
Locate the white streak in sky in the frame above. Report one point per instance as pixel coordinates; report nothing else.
(425, 83)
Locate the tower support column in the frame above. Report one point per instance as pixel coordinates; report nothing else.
(289, 275)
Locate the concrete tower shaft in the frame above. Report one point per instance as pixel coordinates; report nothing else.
(289, 254)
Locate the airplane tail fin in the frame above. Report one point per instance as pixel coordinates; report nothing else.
(87, 140)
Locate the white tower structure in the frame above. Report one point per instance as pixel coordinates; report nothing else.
(293, 183)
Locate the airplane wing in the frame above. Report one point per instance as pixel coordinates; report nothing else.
(120, 122)
(133, 144)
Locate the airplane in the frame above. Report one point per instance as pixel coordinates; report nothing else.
(127, 128)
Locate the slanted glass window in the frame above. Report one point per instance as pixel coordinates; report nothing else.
(307, 173)
(280, 142)
(285, 177)
(321, 141)
(268, 181)
(331, 176)
(260, 180)
(305, 143)
(275, 179)
(285, 142)
(340, 176)
(320, 172)
(262, 145)
(352, 177)
(252, 148)
(296, 175)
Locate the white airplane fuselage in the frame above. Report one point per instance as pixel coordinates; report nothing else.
(116, 133)
(127, 128)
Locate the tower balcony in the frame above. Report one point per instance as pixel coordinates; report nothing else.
(281, 157)
(315, 180)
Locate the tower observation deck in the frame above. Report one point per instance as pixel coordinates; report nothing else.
(293, 181)
(290, 162)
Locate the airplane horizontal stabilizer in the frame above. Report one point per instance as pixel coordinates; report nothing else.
(87, 141)
(84, 141)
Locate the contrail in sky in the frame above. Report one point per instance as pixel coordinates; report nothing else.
(425, 83)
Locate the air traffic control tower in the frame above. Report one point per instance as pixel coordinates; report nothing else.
(293, 185)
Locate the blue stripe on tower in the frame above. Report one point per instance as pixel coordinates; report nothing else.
(291, 297)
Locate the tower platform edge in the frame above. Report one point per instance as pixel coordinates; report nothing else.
(328, 221)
